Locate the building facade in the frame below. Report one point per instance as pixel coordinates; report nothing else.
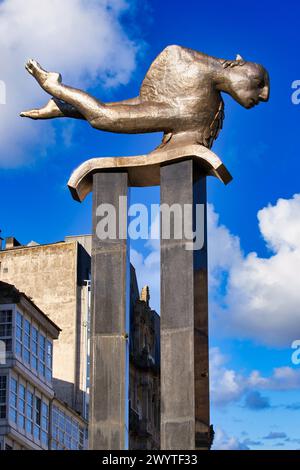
(27, 395)
(57, 277)
(144, 372)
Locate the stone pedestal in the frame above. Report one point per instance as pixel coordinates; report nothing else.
(184, 319)
(181, 171)
(108, 426)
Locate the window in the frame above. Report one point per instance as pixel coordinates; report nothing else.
(66, 431)
(38, 402)
(21, 406)
(81, 438)
(29, 411)
(19, 334)
(44, 423)
(33, 347)
(49, 360)
(6, 328)
(13, 400)
(3, 388)
(26, 341)
(42, 355)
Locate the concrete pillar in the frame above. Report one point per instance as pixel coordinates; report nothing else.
(108, 426)
(184, 320)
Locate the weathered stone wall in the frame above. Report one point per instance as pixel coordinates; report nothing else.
(48, 274)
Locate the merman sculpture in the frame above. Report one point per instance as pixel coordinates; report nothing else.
(180, 96)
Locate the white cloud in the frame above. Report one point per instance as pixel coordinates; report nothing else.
(280, 224)
(224, 442)
(250, 296)
(227, 385)
(283, 378)
(262, 296)
(82, 39)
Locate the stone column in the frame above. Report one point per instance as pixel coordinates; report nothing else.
(184, 319)
(109, 356)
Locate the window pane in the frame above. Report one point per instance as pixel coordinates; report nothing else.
(3, 385)
(2, 411)
(22, 391)
(42, 346)
(48, 375)
(34, 333)
(6, 329)
(18, 348)
(34, 341)
(3, 382)
(19, 319)
(68, 425)
(13, 401)
(42, 355)
(36, 432)
(13, 415)
(34, 363)
(26, 356)
(8, 343)
(44, 438)
(38, 411)
(42, 368)
(5, 316)
(13, 385)
(27, 327)
(29, 398)
(21, 421)
(49, 361)
(19, 333)
(45, 418)
(27, 341)
(29, 426)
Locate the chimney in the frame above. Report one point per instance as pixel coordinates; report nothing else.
(145, 295)
(11, 242)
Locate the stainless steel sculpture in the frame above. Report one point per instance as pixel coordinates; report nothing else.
(180, 95)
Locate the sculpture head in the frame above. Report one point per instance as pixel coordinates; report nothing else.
(247, 82)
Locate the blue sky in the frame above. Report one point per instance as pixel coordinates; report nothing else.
(108, 51)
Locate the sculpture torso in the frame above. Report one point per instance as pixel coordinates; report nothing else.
(182, 79)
